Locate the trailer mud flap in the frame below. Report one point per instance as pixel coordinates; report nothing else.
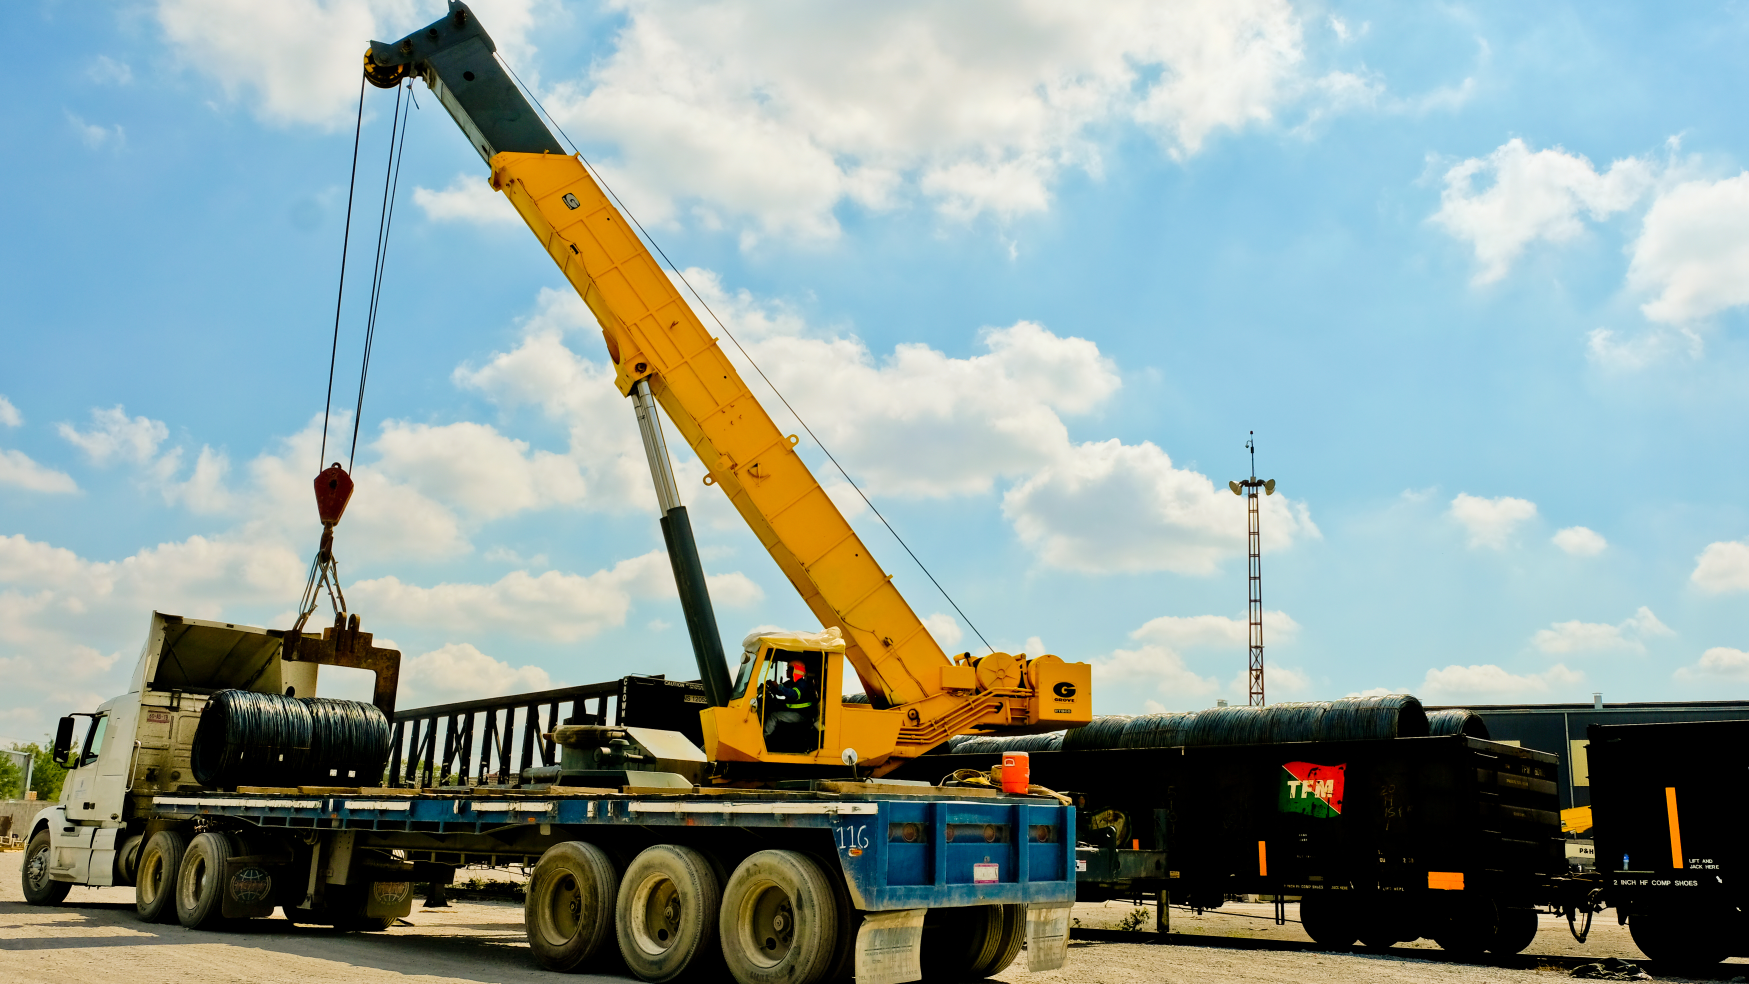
(248, 889)
(1047, 936)
(889, 947)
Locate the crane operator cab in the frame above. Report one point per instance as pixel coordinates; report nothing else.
(787, 706)
(789, 702)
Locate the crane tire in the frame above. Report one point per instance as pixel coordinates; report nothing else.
(568, 912)
(39, 887)
(200, 881)
(155, 878)
(971, 942)
(780, 920)
(665, 912)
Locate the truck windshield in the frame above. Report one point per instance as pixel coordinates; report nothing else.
(94, 740)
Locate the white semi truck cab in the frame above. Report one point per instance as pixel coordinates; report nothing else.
(138, 746)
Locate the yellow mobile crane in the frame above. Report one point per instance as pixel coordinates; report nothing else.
(662, 354)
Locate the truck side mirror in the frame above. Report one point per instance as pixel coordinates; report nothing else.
(63, 738)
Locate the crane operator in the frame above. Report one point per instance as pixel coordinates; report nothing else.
(790, 724)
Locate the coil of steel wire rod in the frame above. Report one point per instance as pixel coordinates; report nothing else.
(1101, 732)
(1353, 718)
(1457, 721)
(248, 738)
(349, 743)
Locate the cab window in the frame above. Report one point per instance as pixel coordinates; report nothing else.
(94, 740)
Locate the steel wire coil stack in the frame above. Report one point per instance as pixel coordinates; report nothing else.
(1457, 721)
(1353, 718)
(272, 740)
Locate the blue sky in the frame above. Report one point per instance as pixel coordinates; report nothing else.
(1475, 274)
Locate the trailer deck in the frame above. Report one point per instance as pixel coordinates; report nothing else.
(897, 851)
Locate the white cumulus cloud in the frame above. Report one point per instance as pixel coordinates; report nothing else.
(1581, 637)
(1150, 669)
(1488, 683)
(18, 470)
(458, 671)
(1580, 541)
(1491, 522)
(9, 415)
(977, 107)
(1191, 631)
(1532, 195)
(1722, 567)
(1693, 251)
(114, 436)
(551, 605)
(1105, 507)
(298, 61)
(477, 468)
(467, 199)
(945, 629)
(1718, 664)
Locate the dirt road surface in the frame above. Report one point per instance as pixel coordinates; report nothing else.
(96, 937)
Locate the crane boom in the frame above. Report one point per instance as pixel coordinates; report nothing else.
(661, 349)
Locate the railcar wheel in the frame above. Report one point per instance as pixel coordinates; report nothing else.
(1328, 921)
(200, 882)
(155, 881)
(666, 912)
(570, 905)
(39, 887)
(1680, 941)
(1470, 928)
(971, 942)
(779, 920)
(1515, 930)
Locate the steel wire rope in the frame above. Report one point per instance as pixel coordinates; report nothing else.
(385, 222)
(340, 294)
(745, 354)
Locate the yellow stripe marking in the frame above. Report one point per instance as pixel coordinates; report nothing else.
(1675, 828)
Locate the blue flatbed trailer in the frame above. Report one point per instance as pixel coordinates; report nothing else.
(916, 871)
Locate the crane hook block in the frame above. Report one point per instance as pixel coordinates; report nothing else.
(333, 491)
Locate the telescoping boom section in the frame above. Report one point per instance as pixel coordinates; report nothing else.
(919, 696)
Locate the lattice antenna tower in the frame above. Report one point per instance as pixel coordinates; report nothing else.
(1254, 606)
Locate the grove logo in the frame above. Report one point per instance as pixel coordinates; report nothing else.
(1311, 789)
(1064, 690)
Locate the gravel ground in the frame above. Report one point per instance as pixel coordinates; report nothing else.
(95, 936)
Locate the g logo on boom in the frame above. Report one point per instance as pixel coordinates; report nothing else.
(1065, 690)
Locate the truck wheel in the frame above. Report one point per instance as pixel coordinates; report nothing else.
(200, 881)
(1515, 931)
(1328, 921)
(971, 942)
(569, 909)
(779, 920)
(39, 888)
(666, 912)
(155, 881)
(1673, 941)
